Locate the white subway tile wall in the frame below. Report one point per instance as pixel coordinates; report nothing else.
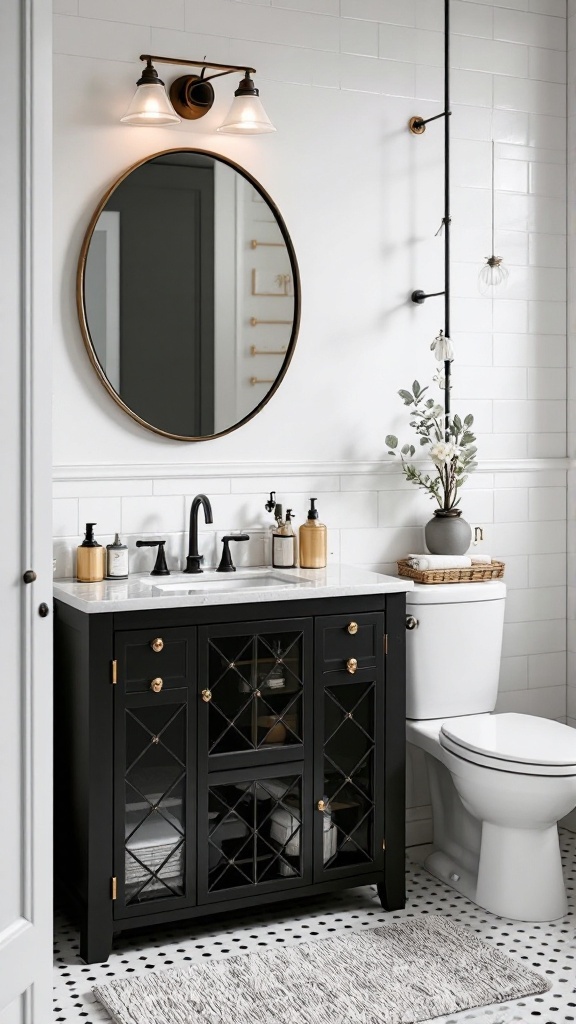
(373, 520)
(343, 77)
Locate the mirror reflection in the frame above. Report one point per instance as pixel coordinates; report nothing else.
(189, 294)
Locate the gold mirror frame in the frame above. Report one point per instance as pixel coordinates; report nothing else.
(81, 306)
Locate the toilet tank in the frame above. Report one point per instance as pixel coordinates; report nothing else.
(453, 651)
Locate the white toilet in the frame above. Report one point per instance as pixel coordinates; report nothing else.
(498, 782)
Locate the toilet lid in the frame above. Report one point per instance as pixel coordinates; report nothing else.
(523, 739)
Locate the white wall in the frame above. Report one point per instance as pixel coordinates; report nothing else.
(362, 199)
(571, 693)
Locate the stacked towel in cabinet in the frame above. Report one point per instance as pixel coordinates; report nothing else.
(152, 843)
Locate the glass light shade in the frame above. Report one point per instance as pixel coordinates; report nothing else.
(150, 106)
(492, 275)
(246, 117)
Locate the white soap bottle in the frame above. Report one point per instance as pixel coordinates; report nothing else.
(282, 542)
(116, 560)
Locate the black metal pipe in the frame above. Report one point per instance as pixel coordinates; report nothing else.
(419, 296)
(447, 366)
(421, 121)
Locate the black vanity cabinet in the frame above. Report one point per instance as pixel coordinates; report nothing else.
(214, 758)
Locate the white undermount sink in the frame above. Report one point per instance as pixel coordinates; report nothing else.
(223, 583)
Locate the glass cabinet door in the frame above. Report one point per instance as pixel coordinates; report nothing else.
(252, 831)
(155, 770)
(153, 792)
(348, 791)
(253, 701)
(349, 765)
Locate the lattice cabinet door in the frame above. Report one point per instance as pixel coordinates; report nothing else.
(349, 746)
(155, 769)
(254, 832)
(255, 692)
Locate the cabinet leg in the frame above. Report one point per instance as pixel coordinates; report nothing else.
(392, 896)
(95, 941)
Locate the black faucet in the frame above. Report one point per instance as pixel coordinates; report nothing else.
(193, 558)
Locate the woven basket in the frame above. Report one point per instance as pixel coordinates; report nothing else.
(473, 574)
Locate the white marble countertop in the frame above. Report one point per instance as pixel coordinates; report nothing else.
(143, 591)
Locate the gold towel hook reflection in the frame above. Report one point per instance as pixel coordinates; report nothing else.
(255, 322)
(266, 351)
(254, 243)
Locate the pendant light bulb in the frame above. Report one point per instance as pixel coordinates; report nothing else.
(246, 115)
(493, 275)
(150, 105)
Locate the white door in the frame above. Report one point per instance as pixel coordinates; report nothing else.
(25, 517)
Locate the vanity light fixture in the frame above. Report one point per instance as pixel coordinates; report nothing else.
(192, 96)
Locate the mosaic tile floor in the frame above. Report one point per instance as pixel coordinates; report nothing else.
(549, 948)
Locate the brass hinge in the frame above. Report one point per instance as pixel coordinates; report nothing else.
(114, 672)
(114, 887)
(385, 643)
(383, 844)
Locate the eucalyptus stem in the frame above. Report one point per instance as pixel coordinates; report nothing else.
(452, 452)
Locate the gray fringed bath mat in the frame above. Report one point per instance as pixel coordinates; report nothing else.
(407, 971)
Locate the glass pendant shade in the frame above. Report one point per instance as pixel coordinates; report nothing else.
(492, 275)
(246, 115)
(150, 106)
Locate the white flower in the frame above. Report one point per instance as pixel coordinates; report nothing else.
(444, 451)
(442, 348)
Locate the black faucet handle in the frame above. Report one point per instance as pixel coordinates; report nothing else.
(160, 567)
(226, 563)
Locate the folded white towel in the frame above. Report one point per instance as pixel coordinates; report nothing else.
(481, 559)
(440, 561)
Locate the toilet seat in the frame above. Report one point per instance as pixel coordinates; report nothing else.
(523, 744)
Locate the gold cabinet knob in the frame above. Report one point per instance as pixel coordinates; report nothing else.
(157, 684)
(206, 696)
(321, 805)
(157, 644)
(352, 628)
(351, 666)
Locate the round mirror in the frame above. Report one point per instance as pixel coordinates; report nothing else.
(188, 294)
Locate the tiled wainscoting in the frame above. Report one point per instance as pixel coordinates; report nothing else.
(374, 517)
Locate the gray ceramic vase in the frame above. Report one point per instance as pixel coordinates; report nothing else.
(447, 533)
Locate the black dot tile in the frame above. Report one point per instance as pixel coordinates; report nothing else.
(182, 945)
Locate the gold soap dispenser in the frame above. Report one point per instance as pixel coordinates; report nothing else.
(313, 540)
(90, 558)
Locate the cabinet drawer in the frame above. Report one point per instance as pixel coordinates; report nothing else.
(163, 657)
(344, 639)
